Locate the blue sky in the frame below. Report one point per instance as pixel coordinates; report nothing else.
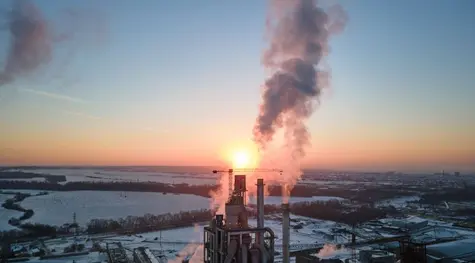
(403, 80)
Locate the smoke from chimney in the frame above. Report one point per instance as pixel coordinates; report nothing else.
(30, 45)
(32, 39)
(330, 251)
(299, 33)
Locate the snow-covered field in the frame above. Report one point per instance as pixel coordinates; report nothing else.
(311, 234)
(188, 240)
(90, 258)
(57, 208)
(34, 179)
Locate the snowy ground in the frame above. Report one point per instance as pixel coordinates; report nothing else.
(90, 258)
(57, 208)
(188, 240)
(34, 179)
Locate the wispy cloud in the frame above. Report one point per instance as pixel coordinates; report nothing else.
(51, 95)
(81, 114)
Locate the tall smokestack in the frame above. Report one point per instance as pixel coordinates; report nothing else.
(260, 215)
(285, 232)
(260, 203)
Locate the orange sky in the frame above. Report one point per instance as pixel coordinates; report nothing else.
(106, 146)
(189, 93)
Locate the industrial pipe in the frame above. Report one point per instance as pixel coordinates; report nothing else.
(285, 232)
(260, 217)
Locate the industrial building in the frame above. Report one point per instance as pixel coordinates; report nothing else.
(229, 238)
(116, 253)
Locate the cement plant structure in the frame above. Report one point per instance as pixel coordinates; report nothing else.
(229, 238)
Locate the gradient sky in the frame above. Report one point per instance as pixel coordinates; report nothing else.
(178, 83)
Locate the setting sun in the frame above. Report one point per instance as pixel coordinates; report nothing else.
(241, 159)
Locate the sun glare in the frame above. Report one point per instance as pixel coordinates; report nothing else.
(241, 159)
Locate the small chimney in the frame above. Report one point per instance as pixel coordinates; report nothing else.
(285, 232)
(260, 203)
(260, 215)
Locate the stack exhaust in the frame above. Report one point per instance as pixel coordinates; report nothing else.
(285, 232)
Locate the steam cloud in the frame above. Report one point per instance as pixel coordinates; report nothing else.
(330, 251)
(31, 42)
(32, 39)
(299, 35)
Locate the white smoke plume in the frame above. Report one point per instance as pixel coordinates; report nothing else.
(220, 196)
(299, 33)
(192, 251)
(33, 39)
(332, 251)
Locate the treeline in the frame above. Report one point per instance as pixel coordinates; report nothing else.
(30, 231)
(459, 195)
(12, 204)
(331, 210)
(361, 195)
(200, 190)
(365, 195)
(27, 175)
(130, 224)
(148, 222)
(335, 211)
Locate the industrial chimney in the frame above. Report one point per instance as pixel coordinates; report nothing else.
(260, 216)
(285, 232)
(260, 203)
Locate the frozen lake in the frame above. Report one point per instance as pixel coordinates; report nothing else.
(57, 208)
(6, 214)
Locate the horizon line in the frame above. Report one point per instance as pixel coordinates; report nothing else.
(218, 166)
